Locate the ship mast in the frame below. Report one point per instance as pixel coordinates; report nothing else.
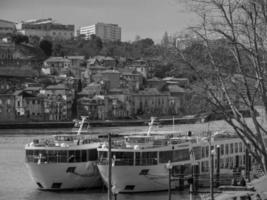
(81, 125)
(150, 125)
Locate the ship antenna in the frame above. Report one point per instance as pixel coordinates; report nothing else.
(150, 125)
(81, 125)
(173, 124)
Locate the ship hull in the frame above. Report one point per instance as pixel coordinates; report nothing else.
(130, 179)
(63, 176)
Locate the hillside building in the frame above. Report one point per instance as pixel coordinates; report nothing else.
(6, 27)
(107, 32)
(46, 28)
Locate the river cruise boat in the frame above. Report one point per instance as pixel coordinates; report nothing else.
(142, 163)
(65, 161)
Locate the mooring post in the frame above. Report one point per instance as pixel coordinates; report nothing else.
(218, 166)
(211, 171)
(109, 168)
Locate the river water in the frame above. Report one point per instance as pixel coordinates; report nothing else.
(15, 181)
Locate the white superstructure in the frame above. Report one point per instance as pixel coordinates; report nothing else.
(64, 162)
(141, 162)
(107, 32)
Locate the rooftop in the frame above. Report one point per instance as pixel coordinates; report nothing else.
(150, 91)
(75, 57)
(57, 87)
(175, 89)
(111, 71)
(57, 59)
(17, 72)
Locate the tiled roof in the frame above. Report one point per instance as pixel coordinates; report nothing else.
(17, 72)
(110, 71)
(57, 59)
(174, 79)
(175, 89)
(23, 93)
(75, 57)
(150, 91)
(154, 79)
(91, 61)
(56, 87)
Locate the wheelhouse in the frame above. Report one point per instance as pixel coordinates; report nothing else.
(60, 156)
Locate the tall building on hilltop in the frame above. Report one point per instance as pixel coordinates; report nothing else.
(6, 27)
(46, 28)
(107, 32)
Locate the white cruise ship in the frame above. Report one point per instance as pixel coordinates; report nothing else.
(64, 161)
(140, 162)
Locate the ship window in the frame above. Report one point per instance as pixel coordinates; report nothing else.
(56, 185)
(29, 155)
(129, 187)
(165, 156)
(144, 172)
(78, 155)
(180, 155)
(203, 152)
(197, 153)
(39, 185)
(52, 156)
(102, 156)
(123, 158)
(207, 151)
(92, 154)
(62, 156)
(205, 166)
(83, 156)
(146, 158)
(71, 157)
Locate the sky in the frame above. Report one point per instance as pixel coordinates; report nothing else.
(146, 18)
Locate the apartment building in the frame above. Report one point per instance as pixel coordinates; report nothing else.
(107, 32)
(47, 28)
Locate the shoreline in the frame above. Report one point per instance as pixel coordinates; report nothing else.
(95, 123)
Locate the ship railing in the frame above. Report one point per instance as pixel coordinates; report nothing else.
(129, 162)
(123, 145)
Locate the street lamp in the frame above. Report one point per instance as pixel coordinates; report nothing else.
(212, 152)
(211, 159)
(169, 167)
(115, 191)
(218, 155)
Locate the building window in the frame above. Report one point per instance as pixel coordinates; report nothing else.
(1, 102)
(240, 147)
(8, 102)
(236, 147)
(231, 148)
(226, 149)
(222, 149)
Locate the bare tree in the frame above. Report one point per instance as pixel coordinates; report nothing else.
(242, 26)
